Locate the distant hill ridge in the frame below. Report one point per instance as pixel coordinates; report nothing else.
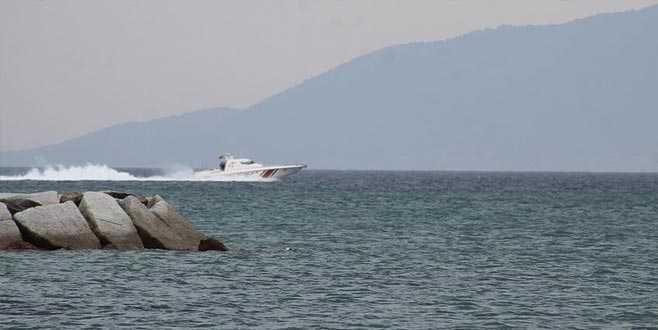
(576, 96)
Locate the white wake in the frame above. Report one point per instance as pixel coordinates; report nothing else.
(96, 172)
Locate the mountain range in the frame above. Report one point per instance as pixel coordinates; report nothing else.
(580, 96)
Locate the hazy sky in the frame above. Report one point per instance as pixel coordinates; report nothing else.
(72, 67)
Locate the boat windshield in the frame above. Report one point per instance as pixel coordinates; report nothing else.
(247, 162)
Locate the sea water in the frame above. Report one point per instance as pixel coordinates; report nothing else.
(338, 249)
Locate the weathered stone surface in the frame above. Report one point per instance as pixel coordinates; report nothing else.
(10, 236)
(15, 205)
(211, 244)
(74, 196)
(122, 195)
(43, 198)
(155, 232)
(177, 223)
(109, 222)
(4, 213)
(56, 226)
(150, 201)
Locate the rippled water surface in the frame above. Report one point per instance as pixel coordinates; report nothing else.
(361, 250)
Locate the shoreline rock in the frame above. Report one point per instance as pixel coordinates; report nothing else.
(109, 222)
(58, 226)
(74, 196)
(16, 205)
(190, 237)
(155, 233)
(10, 236)
(43, 198)
(211, 244)
(96, 220)
(122, 195)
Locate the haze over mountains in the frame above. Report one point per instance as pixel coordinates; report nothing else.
(577, 96)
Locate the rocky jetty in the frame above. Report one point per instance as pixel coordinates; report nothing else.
(95, 220)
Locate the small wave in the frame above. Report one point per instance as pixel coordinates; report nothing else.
(100, 172)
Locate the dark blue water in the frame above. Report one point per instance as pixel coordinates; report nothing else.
(365, 250)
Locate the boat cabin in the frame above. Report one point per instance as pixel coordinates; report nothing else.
(228, 162)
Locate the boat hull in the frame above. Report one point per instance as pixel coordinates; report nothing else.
(263, 173)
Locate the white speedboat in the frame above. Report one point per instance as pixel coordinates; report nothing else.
(231, 167)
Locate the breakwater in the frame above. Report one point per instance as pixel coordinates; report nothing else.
(96, 220)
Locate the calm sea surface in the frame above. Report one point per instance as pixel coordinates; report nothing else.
(404, 250)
